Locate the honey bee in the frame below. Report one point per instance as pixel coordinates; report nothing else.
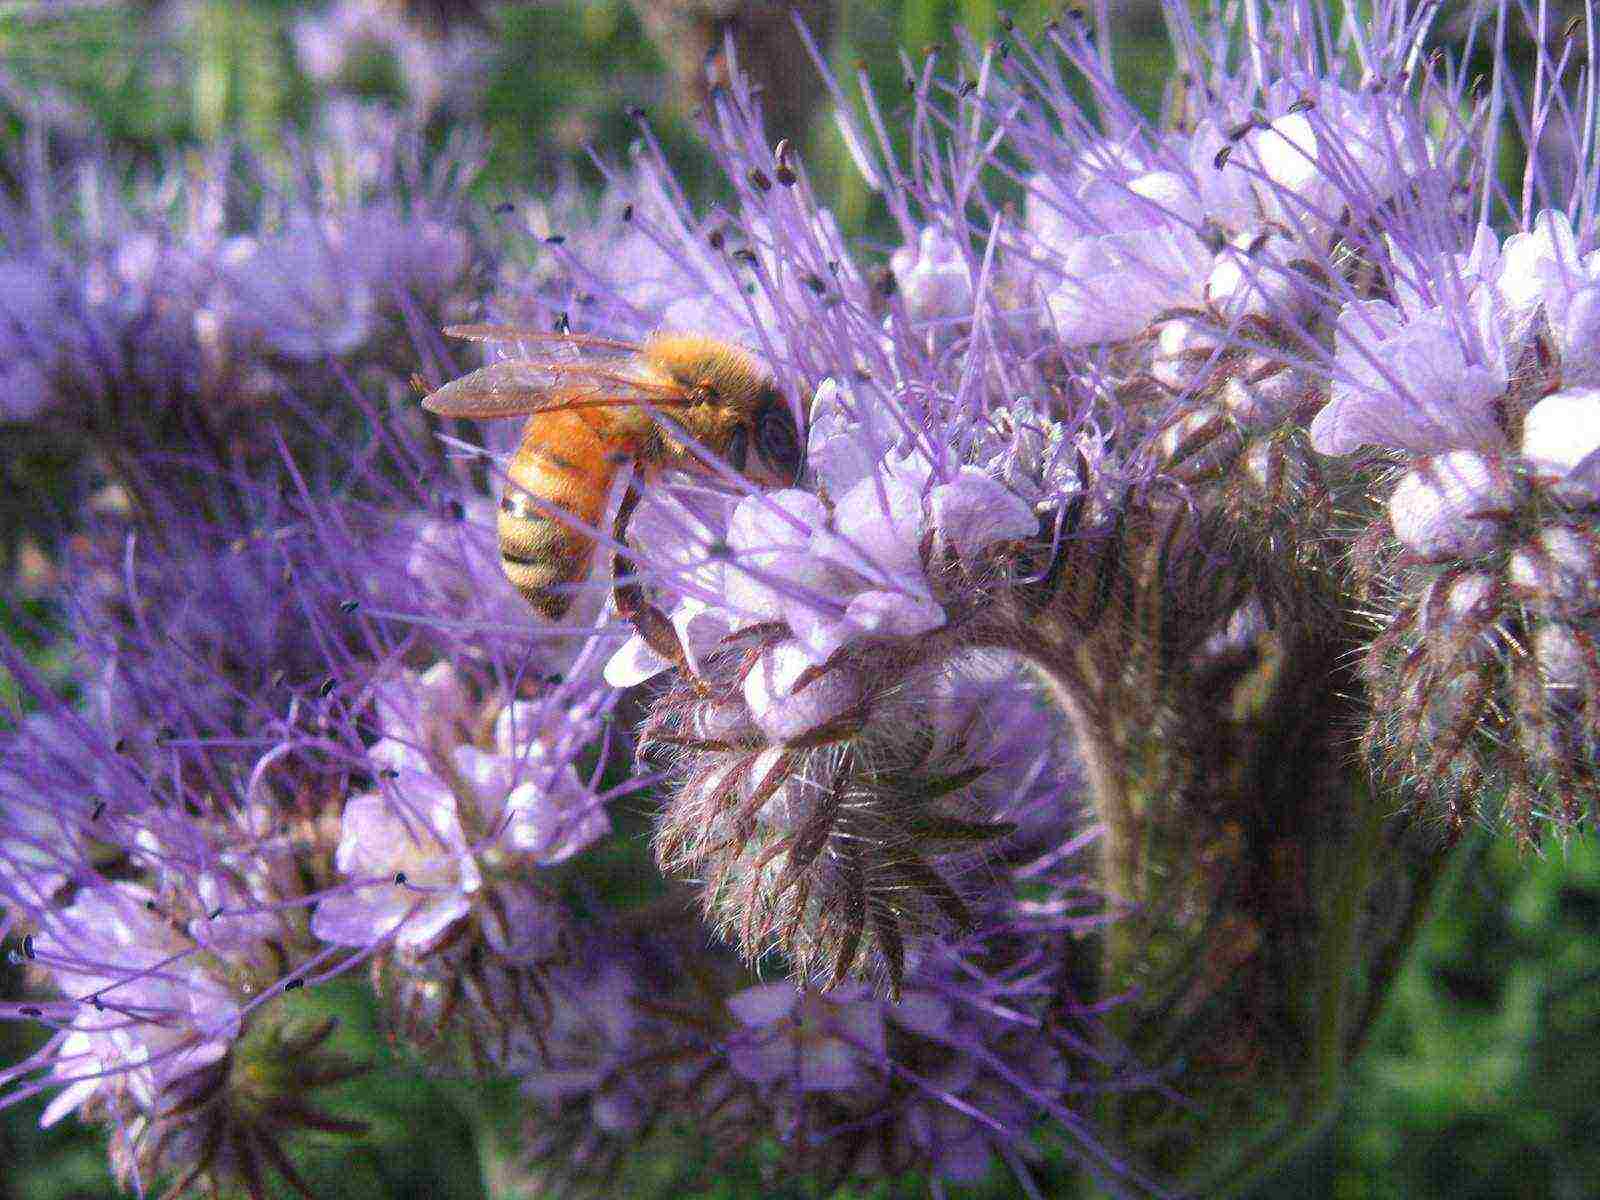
(589, 415)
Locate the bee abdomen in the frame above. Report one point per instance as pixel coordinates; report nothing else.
(541, 555)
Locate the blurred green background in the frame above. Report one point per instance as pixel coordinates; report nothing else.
(1483, 1077)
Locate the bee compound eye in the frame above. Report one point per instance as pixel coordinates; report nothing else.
(780, 441)
(738, 448)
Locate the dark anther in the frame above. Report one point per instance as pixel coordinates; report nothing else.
(400, 878)
(349, 606)
(27, 947)
(911, 83)
(294, 983)
(29, 1010)
(120, 746)
(716, 239)
(1003, 50)
(785, 167)
(389, 773)
(555, 239)
(1221, 160)
(1303, 104)
(815, 282)
(967, 88)
(627, 212)
(99, 811)
(758, 180)
(718, 549)
(327, 687)
(458, 511)
(214, 913)
(150, 905)
(98, 1007)
(635, 113)
(507, 207)
(746, 256)
(563, 323)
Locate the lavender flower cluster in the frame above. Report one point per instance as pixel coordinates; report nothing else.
(1142, 430)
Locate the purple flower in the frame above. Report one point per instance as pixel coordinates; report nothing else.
(1423, 384)
(437, 71)
(159, 1015)
(37, 342)
(933, 276)
(457, 828)
(1139, 254)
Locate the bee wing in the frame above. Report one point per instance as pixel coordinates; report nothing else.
(519, 388)
(517, 333)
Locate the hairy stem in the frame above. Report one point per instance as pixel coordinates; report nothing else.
(1270, 893)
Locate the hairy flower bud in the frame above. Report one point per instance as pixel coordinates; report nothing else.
(846, 844)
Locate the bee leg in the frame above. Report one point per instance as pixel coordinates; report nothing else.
(651, 623)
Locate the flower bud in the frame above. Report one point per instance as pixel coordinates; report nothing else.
(1450, 506)
(846, 836)
(1560, 438)
(1262, 394)
(1187, 350)
(788, 696)
(1557, 572)
(1564, 661)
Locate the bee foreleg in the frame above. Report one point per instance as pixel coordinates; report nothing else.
(632, 606)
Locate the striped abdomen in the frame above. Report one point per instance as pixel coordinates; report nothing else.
(562, 463)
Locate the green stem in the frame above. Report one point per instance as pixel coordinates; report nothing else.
(1326, 1061)
(498, 1138)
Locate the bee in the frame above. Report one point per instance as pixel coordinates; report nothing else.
(589, 415)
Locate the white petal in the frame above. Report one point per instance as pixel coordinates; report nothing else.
(1559, 434)
(633, 663)
(785, 704)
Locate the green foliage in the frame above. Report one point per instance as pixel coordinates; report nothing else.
(1482, 1080)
